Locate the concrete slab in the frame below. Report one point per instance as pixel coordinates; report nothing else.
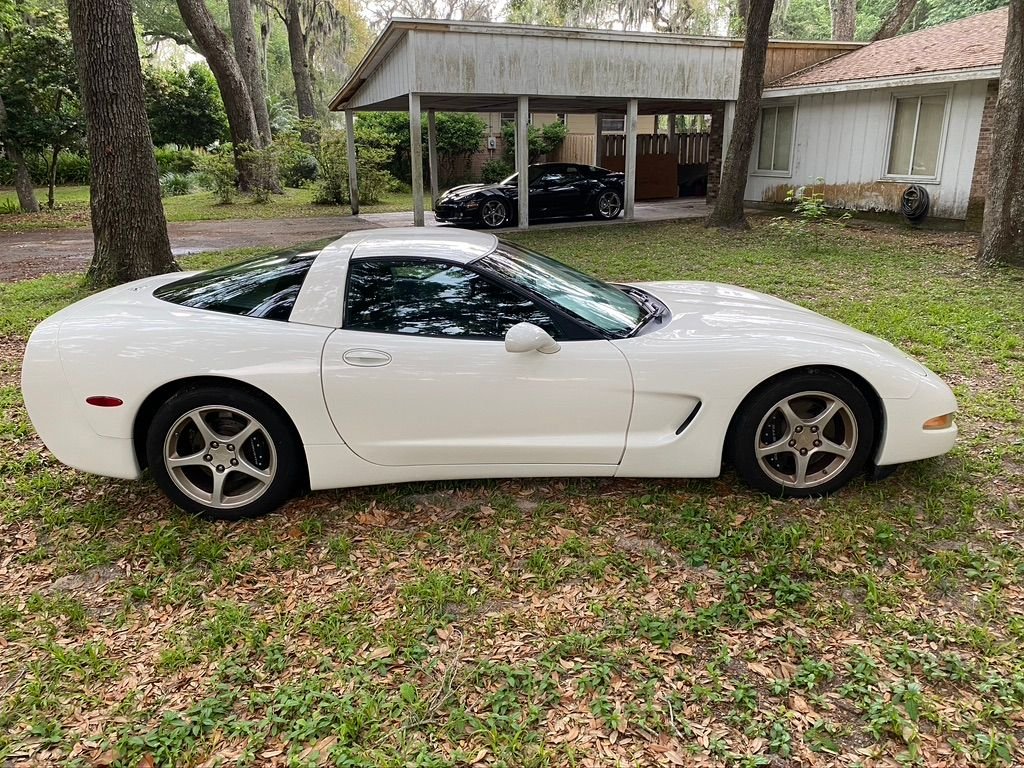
(658, 210)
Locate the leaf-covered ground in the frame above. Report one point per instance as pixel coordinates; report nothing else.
(550, 622)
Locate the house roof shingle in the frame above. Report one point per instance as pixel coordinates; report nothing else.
(972, 43)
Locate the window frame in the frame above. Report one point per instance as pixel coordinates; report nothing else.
(776, 105)
(572, 328)
(894, 98)
(603, 119)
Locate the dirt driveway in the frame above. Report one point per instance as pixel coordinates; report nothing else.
(31, 254)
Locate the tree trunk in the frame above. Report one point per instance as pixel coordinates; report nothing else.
(894, 22)
(216, 47)
(247, 54)
(52, 176)
(1002, 232)
(129, 229)
(22, 179)
(728, 210)
(304, 100)
(844, 18)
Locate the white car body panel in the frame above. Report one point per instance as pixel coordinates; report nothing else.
(655, 405)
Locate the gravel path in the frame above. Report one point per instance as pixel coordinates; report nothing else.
(31, 254)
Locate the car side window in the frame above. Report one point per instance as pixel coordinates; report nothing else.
(434, 298)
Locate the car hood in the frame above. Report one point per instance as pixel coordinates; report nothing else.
(716, 310)
(465, 191)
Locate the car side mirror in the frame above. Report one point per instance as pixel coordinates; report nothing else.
(527, 337)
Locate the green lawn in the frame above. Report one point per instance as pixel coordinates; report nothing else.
(551, 622)
(72, 208)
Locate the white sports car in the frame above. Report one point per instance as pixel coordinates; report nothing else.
(419, 354)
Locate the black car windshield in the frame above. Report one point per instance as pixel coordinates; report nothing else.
(536, 171)
(601, 305)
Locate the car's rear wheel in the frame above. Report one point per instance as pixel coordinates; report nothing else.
(608, 204)
(223, 454)
(805, 435)
(493, 214)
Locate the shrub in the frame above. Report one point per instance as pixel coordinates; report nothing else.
(300, 171)
(263, 164)
(184, 106)
(812, 215)
(175, 184)
(371, 163)
(494, 171)
(217, 173)
(542, 141)
(171, 159)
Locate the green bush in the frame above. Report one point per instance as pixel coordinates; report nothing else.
(458, 136)
(300, 171)
(264, 165)
(175, 184)
(494, 171)
(171, 159)
(371, 169)
(542, 141)
(217, 173)
(184, 106)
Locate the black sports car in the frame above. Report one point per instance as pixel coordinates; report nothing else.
(556, 190)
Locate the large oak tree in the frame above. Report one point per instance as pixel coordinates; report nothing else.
(1002, 233)
(129, 229)
(728, 210)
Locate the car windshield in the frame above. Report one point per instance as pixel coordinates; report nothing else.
(536, 171)
(596, 303)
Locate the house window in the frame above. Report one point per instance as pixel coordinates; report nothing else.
(776, 145)
(916, 135)
(508, 118)
(613, 125)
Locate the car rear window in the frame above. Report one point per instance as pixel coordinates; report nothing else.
(265, 286)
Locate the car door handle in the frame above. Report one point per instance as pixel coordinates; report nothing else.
(366, 358)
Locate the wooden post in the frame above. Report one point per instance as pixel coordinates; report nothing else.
(598, 141)
(353, 180)
(631, 109)
(416, 158)
(523, 159)
(432, 156)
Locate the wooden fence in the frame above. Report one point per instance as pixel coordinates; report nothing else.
(579, 147)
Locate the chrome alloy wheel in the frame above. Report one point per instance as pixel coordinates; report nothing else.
(608, 205)
(806, 439)
(493, 213)
(220, 456)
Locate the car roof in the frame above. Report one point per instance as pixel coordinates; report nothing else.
(459, 246)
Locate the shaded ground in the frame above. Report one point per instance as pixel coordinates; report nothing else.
(31, 254)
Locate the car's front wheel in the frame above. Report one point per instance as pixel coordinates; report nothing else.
(608, 204)
(805, 435)
(493, 214)
(222, 453)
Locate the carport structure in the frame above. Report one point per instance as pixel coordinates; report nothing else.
(427, 65)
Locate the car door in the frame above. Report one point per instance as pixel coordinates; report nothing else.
(419, 374)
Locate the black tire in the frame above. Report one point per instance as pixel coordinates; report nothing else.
(607, 204)
(762, 423)
(272, 449)
(489, 222)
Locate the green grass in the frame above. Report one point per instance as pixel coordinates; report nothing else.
(550, 622)
(72, 208)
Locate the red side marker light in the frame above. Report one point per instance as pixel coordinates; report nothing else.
(104, 401)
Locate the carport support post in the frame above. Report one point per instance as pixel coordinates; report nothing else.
(416, 158)
(350, 142)
(523, 159)
(631, 110)
(432, 156)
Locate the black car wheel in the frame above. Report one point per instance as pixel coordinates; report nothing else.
(493, 214)
(223, 454)
(608, 204)
(805, 435)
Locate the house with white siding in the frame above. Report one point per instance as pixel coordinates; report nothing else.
(863, 126)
